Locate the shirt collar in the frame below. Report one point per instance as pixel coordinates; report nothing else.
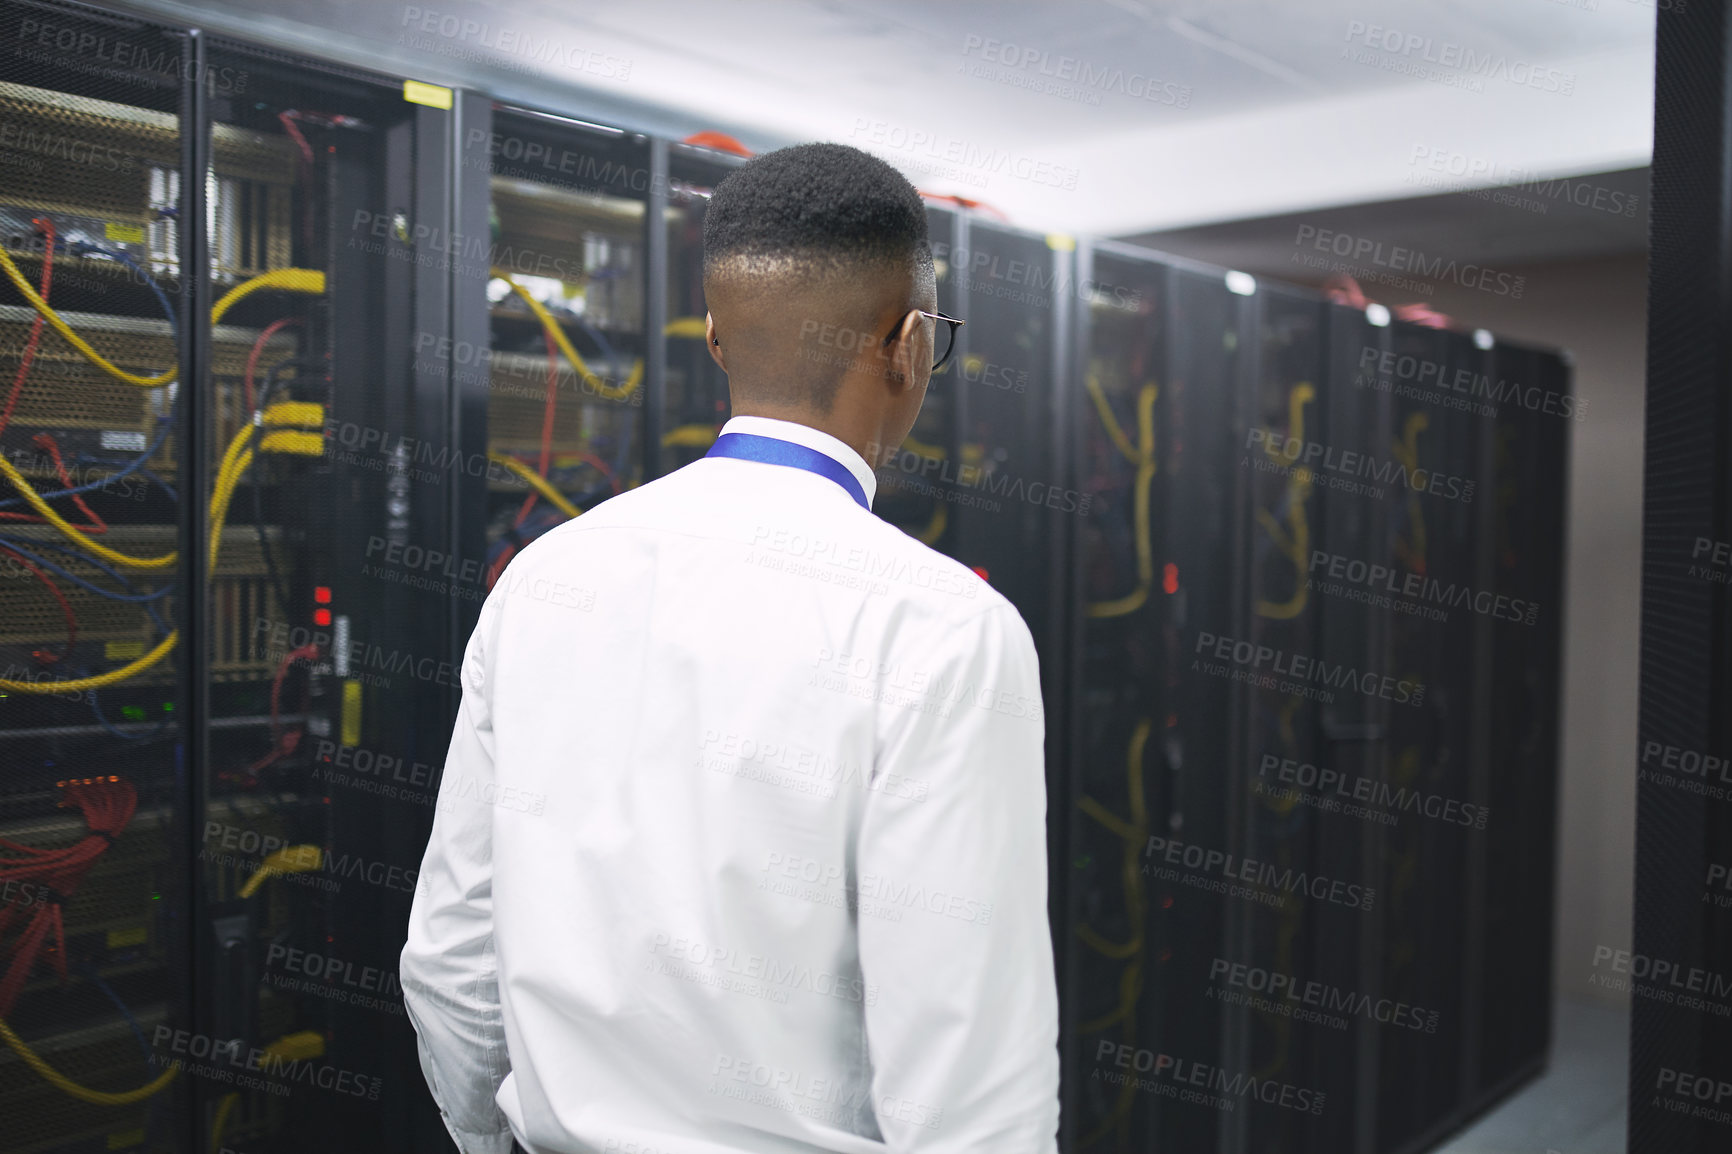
(815, 439)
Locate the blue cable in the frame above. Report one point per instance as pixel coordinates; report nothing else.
(77, 580)
(135, 466)
(165, 421)
(84, 246)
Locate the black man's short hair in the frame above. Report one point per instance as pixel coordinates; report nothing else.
(826, 208)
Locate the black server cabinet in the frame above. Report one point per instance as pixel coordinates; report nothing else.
(918, 484)
(332, 469)
(1526, 451)
(570, 238)
(1296, 905)
(95, 911)
(695, 401)
(1425, 467)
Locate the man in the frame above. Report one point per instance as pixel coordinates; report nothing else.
(740, 845)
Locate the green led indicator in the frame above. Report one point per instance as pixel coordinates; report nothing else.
(132, 712)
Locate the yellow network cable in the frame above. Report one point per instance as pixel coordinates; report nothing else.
(1134, 833)
(221, 1121)
(83, 1093)
(1406, 450)
(294, 859)
(286, 279)
(1143, 457)
(689, 437)
(234, 465)
(301, 280)
(1296, 547)
(539, 483)
(554, 330)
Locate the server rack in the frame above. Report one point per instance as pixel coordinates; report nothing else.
(1526, 464)
(570, 228)
(1313, 464)
(331, 436)
(695, 403)
(94, 710)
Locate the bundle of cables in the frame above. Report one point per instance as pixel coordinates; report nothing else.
(107, 804)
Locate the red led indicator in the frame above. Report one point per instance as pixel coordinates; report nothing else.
(321, 617)
(322, 594)
(980, 572)
(1170, 578)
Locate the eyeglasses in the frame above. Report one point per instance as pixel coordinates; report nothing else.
(949, 334)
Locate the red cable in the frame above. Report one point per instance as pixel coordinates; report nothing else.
(42, 655)
(108, 805)
(546, 423)
(47, 227)
(271, 330)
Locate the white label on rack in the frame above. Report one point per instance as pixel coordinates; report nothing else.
(122, 441)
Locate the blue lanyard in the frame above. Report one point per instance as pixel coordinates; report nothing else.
(771, 451)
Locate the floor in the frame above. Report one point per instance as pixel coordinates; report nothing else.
(1578, 1106)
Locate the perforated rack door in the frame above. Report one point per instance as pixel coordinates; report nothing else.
(91, 707)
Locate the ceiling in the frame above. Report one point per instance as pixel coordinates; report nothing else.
(1111, 117)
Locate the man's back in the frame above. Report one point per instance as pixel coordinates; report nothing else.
(749, 784)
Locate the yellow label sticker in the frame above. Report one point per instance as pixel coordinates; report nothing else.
(431, 95)
(120, 650)
(123, 1139)
(123, 233)
(1059, 242)
(351, 712)
(130, 936)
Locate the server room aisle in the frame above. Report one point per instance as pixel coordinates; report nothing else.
(1580, 1105)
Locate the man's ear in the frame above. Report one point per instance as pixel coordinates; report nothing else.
(908, 354)
(713, 342)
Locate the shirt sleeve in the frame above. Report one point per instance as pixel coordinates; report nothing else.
(955, 947)
(450, 974)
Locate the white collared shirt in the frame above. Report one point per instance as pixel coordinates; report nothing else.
(740, 844)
